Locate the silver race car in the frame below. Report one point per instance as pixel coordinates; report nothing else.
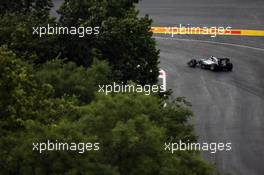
(212, 63)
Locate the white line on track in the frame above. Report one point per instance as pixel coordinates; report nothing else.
(212, 42)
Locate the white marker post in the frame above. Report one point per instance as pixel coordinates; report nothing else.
(162, 75)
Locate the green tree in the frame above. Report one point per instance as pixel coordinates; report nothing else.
(16, 31)
(129, 129)
(39, 7)
(56, 100)
(124, 39)
(17, 156)
(29, 113)
(133, 129)
(17, 19)
(69, 79)
(22, 99)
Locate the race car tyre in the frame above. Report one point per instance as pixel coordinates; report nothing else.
(202, 66)
(192, 63)
(213, 67)
(230, 67)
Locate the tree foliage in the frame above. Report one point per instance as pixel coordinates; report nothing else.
(124, 39)
(39, 7)
(131, 128)
(133, 132)
(16, 31)
(69, 79)
(22, 98)
(48, 91)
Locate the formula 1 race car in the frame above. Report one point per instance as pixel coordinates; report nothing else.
(212, 63)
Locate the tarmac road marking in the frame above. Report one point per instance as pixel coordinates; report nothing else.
(252, 32)
(237, 32)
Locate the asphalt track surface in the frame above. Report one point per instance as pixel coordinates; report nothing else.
(227, 106)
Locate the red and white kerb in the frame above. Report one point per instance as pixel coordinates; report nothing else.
(162, 76)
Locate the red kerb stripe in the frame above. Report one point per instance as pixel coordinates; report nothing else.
(235, 32)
